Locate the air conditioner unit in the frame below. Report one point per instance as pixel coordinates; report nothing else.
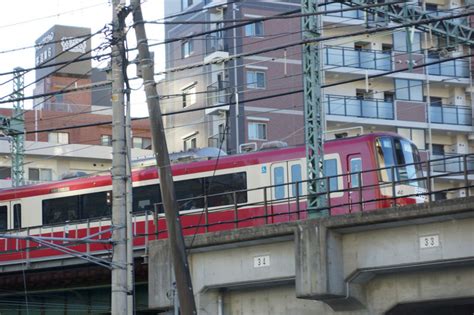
(248, 147)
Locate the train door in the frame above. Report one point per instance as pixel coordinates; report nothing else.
(4, 207)
(15, 214)
(354, 182)
(284, 195)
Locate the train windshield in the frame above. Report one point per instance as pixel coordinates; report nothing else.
(396, 157)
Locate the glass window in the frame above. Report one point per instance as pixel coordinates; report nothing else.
(145, 197)
(190, 194)
(96, 205)
(257, 131)
(106, 140)
(219, 189)
(254, 29)
(5, 172)
(186, 3)
(189, 96)
(255, 79)
(187, 48)
(296, 178)
(141, 143)
(17, 216)
(59, 210)
(278, 181)
(330, 169)
(409, 90)
(400, 41)
(355, 167)
(58, 137)
(384, 148)
(40, 174)
(3, 218)
(189, 143)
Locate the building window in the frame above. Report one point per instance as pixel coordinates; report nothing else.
(255, 79)
(257, 131)
(189, 143)
(409, 90)
(400, 41)
(189, 96)
(40, 174)
(254, 29)
(106, 140)
(415, 135)
(186, 3)
(58, 137)
(5, 172)
(141, 143)
(187, 48)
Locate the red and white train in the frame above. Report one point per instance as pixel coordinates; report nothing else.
(219, 193)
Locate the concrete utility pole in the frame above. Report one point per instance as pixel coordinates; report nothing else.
(119, 172)
(175, 235)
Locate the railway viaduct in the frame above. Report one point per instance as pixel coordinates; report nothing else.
(408, 260)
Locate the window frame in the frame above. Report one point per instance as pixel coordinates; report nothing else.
(109, 140)
(187, 48)
(409, 85)
(255, 29)
(252, 81)
(58, 137)
(250, 134)
(189, 95)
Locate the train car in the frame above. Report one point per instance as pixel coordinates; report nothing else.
(363, 173)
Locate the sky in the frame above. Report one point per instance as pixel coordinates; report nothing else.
(23, 21)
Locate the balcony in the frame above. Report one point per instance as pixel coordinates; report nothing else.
(214, 43)
(353, 107)
(217, 93)
(364, 59)
(453, 68)
(354, 14)
(454, 115)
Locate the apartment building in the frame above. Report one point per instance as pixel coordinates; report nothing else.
(430, 105)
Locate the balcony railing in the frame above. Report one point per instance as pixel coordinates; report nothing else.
(353, 14)
(217, 93)
(365, 59)
(214, 43)
(350, 106)
(453, 68)
(455, 115)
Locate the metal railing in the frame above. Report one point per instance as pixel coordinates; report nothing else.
(365, 59)
(380, 188)
(455, 115)
(453, 68)
(354, 107)
(214, 43)
(354, 14)
(218, 93)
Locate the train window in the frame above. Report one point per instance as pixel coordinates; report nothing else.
(145, 197)
(279, 180)
(95, 205)
(3, 218)
(17, 216)
(189, 194)
(60, 209)
(385, 156)
(330, 169)
(355, 166)
(219, 189)
(296, 178)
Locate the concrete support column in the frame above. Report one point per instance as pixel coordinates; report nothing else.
(319, 269)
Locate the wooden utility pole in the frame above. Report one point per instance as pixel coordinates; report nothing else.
(175, 235)
(119, 172)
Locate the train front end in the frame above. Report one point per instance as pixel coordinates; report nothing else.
(401, 179)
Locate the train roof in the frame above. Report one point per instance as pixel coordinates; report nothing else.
(225, 162)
